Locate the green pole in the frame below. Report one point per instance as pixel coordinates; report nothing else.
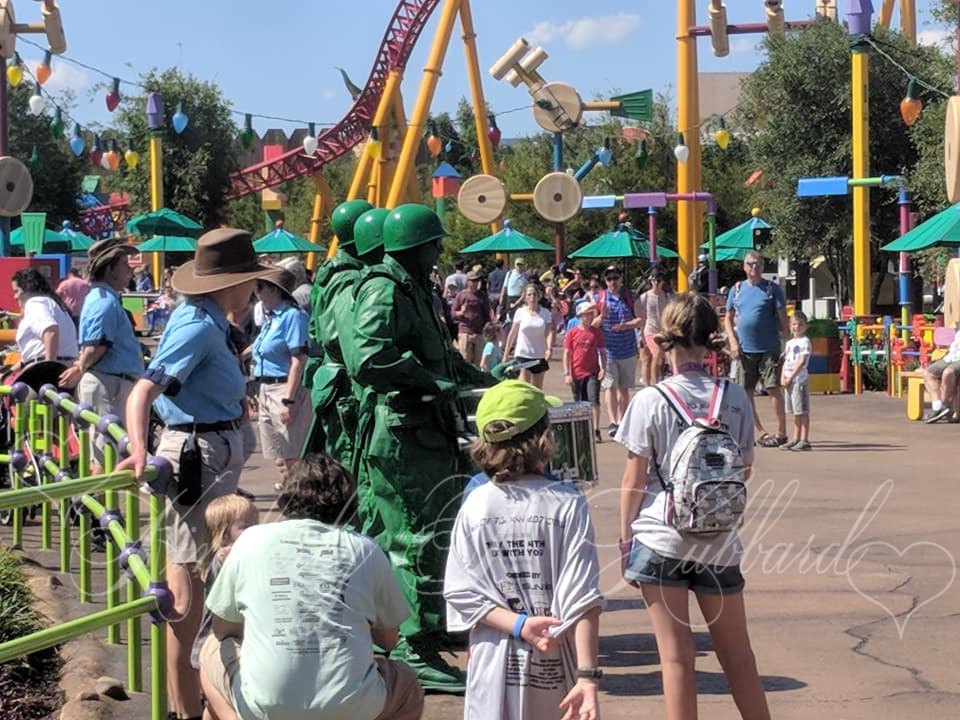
(158, 632)
(20, 424)
(83, 471)
(134, 627)
(110, 500)
(64, 451)
(40, 412)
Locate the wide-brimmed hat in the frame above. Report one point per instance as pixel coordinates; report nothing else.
(103, 252)
(224, 258)
(518, 261)
(283, 280)
(475, 275)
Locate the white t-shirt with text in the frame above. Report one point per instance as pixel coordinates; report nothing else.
(796, 351)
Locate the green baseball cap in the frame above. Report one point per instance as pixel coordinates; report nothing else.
(515, 402)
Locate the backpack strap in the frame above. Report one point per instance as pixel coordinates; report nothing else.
(674, 400)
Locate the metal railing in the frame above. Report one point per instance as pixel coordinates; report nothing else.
(51, 436)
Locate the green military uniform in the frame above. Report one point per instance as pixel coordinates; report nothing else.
(332, 298)
(401, 358)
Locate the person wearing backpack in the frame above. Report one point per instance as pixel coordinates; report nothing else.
(682, 497)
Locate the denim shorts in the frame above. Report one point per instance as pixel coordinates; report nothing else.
(649, 566)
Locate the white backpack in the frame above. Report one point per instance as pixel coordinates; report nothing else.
(706, 492)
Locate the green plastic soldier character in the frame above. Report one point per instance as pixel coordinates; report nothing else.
(330, 387)
(400, 355)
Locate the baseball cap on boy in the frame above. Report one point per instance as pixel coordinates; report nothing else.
(512, 401)
(586, 306)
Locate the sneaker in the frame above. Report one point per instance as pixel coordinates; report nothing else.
(612, 430)
(434, 673)
(800, 446)
(789, 445)
(596, 437)
(937, 415)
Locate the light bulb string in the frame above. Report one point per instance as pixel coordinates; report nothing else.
(909, 75)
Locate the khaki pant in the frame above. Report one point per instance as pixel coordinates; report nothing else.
(279, 441)
(220, 665)
(470, 347)
(107, 395)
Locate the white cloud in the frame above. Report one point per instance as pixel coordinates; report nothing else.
(935, 36)
(65, 76)
(328, 94)
(584, 32)
(742, 45)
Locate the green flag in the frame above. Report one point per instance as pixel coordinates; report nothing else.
(33, 225)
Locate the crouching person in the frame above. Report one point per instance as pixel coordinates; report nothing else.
(296, 610)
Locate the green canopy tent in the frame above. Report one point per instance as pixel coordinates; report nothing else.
(65, 241)
(942, 229)
(624, 242)
(508, 240)
(280, 241)
(164, 222)
(168, 243)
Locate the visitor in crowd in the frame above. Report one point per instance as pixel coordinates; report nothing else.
(795, 381)
(556, 307)
(458, 278)
(111, 359)
(45, 330)
(226, 519)
(699, 279)
(308, 652)
(73, 291)
(531, 337)
(144, 283)
(471, 310)
(197, 387)
(665, 562)
(650, 307)
(450, 293)
(158, 312)
(277, 359)
(756, 319)
(593, 289)
(619, 324)
(533, 643)
(585, 360)
(510, 295)
(492, 346)
(302, 287)
(941, 380)
(495, 283)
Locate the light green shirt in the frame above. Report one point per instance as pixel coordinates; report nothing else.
(308, 595)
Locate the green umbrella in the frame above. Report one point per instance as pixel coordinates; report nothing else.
(942, 229)
(739, 237)
(506, 241)
(280, 241)
(164, 222)
(49, 236)
(168, 243)
(78, 241)
(624, 242)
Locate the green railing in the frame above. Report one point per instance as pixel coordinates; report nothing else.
(43, 425)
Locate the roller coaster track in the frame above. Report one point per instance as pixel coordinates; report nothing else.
(408, 21)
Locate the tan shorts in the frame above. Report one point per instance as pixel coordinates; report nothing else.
(279, 441)
(621, 373)
(222, 457)
(220, 667)
(470, 347)
(107, 395)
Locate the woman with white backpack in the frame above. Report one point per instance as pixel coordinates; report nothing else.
(682, 498)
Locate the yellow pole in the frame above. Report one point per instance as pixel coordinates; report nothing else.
(886, 13)
(411, 192)
(156, 196)
(908, 21)
(861, 194)
(688, 121)
(476, 95)
(421, 110)
(361, 175)
(321, 201)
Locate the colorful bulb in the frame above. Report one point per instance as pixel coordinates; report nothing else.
(77, 143)
(113, 97)
(180, 119)
(640, 158)
(14, 74)
(681, 152)
(722, 136)
(37, 104)
(131, 157)
(910, 106)
(56, 125)
(43, 69)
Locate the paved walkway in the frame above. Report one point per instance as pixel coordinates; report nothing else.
(851, 578)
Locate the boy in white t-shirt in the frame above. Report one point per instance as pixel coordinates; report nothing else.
(794, 380)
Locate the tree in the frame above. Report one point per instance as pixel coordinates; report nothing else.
(197, 163)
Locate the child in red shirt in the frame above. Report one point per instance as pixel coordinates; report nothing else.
(584, 360)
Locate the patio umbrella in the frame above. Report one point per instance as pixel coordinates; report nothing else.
(739, 237)
(164, 222)
(49, 236)
(508, 240)
(78, 241)
(624, 242)
(942, 229)
(280, 241)
(168, 243)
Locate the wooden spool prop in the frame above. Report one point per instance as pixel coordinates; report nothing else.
(558, 107)
(558, 197)
(16, 187)
(951, 294)
(482, 199)
(951, 149)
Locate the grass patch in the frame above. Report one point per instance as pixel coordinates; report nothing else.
(28, 685)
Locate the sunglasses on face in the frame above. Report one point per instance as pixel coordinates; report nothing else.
(753, 264)
(613, 277)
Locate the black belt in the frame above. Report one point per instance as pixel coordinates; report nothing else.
(125, 376)
(207, 427)
(271, 380)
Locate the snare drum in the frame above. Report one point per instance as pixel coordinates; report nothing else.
(575, 458)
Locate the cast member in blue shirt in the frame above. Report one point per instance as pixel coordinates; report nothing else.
(196, 385)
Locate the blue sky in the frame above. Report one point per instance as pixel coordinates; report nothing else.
(277, 58)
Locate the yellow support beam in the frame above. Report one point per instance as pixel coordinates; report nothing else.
(886, 13)
(689, 214)
(861, 195)
(322, 200)
(908, 21)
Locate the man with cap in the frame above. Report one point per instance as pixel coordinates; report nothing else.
(197, 387)
(400, 355)
(699, 279)
(511, 295)
(110, 359)
(471, 310)
(332, 287)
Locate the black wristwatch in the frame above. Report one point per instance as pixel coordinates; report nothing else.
(593, 673)
(287, 401)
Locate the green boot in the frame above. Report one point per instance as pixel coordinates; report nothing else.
(434, 673)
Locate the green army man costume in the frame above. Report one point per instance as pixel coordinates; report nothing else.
(332, 295)
(401, 358)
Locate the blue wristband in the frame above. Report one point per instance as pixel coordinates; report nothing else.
(518, 625)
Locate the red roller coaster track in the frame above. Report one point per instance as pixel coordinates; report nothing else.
(402, 33)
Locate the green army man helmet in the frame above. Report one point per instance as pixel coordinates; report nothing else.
(409, 226)
(345, 216)
(368, 230)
